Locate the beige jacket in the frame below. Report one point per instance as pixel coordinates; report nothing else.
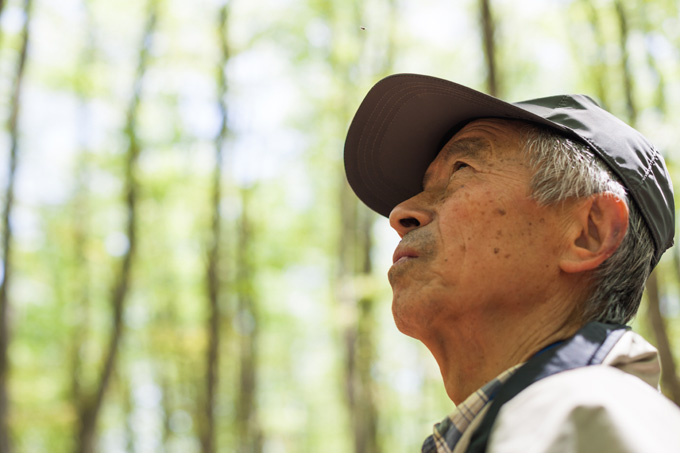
(614, 407)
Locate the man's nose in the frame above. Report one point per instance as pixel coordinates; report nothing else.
(408, 216)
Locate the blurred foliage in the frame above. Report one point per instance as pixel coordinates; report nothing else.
(297, 70)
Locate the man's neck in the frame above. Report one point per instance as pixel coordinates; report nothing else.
(472, 355)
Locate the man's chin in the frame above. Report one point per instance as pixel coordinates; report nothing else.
(399, 270)
(405, 318)
(392, 277)
(404, 327)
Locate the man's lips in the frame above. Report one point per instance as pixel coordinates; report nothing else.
(402, 254)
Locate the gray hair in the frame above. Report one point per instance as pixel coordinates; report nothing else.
(564, 168)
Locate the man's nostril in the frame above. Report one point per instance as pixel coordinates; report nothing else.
(409, 222)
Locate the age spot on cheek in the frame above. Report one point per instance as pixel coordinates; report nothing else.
(500, 211)
(496, 250)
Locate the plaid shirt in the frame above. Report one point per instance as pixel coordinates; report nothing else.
(449, 431)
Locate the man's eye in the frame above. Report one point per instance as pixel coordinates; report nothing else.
(458, 165)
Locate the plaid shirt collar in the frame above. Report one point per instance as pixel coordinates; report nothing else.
(449, 431)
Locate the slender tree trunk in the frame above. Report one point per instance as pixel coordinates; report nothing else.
(2, 8)
(626, 72)
(355, 247)
(167, 404)
(82, 310)
(652, 64)
(345, 296)
(669, 379)
(489, 42)
(129, 407)
(247, 418)
(81, 212)
(214, 262)
(387, 64)
(366, 417)
(91, 405)
(599, 71)
(13, 126)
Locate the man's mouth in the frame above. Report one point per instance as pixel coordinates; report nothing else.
(403, 254)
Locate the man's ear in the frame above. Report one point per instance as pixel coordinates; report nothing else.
(598, 226)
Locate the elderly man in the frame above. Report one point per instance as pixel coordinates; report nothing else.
(528, 232)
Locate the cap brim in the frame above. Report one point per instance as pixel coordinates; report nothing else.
(398, 131)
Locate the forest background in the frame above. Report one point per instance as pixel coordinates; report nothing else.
(184, 268)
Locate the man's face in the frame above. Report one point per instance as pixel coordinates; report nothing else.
(475, 247)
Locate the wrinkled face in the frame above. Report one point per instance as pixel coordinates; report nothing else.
(474, 245)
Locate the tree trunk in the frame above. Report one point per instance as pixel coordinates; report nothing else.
(13, 126)
(357, 306)
(168, 406)
(81, 311)
(91, 404)
(599, 71)
(366, 413)
(2, 8)
(214, 262)
(128, 409)
(669, 376)
(489, 42)
(626, 72)
(649, 29)
(354, 266)
(247, 420)
(669, 379)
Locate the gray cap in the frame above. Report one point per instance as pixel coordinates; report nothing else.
(398, 130)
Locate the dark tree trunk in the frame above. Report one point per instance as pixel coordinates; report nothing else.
(489, 42)
(81, 312)
(214, 261)
(649, 29)
(167, 404)
(91, 404)
(247, 418)
(669, 378)
(365, 417)
(626, 72)
(129, 407)
(7, 265)
(599, 67)
(355, 247)
(2, 8)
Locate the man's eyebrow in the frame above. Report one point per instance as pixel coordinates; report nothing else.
(465, 147)
(468, 147)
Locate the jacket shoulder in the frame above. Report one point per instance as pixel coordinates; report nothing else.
(591, 409)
